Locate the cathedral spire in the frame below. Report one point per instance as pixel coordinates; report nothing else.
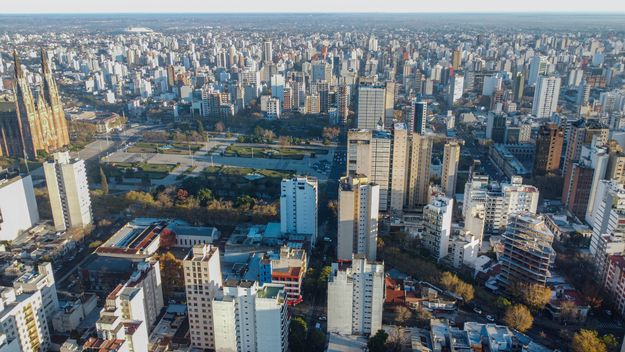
(18, 65)
(45, 67)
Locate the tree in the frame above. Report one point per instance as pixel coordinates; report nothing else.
(610, 342)
(502, 303)
(172, 271)
(324, 274)
(95, 244)
(518, 317)
(587, 341)
(533, 295)
(199, 126)
(297, 334)
(104, 182)
(568, 311)
(452, 283)
(377, 342)
(204, 196)
(316, 340)
(402, 314)
(219, 127)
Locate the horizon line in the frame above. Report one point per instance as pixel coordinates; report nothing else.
(576, 12)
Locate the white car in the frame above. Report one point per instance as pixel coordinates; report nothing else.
(490, 318)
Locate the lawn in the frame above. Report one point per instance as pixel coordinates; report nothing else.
(271, 152)
(173, 148)
(139, 170)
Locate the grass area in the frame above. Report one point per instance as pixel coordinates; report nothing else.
(271, 152)
(173, 148)
(244, 171)
(139, 170)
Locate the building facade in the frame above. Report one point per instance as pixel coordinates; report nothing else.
(68, 189)
(356, 297)
(298, 207)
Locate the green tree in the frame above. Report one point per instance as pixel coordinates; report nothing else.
(104, 182)
(518, 317)
(587, 341)
(297, 334)
(502, 302)
(199, 126)
(316, 340)
(205, 195)
(610, 342)
(377, 342)
(324, 274)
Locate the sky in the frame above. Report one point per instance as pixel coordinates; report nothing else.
(316, 6)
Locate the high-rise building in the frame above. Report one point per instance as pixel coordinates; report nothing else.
(369, 154)
(419, 117)
(18, 207)
(437, 226)
(498, 200)
(582, 132)
(519, 85)
(371, 106)
(250, 318)
(546, 97)
(585, 175)
(267, 52)
(147, 276)
(40, 279)
(202, 272)
(616, 162)
(66, 179)
(356, 297)
(124, 318)
(527, 254)
(456, 88)
(399, 168)
(496, 127)
(23, 318)
(277, 87)
(298, 207)
(539, 65)
(389, 103)
(33, 124)
(343, 102)
(357, 218)
(451, 157)
(549, 143)
(456, 59)
(419, 172)
(608, 225)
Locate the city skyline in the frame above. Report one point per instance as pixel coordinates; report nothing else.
(322, 6)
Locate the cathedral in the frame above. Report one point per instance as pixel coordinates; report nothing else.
(33, 123)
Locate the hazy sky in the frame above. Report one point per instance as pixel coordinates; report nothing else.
(208, 6)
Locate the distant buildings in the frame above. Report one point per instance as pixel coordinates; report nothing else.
(36, 123)
(357, 218)
(527, 255)
(68, 189)
(356, 297)
(298, 207)
(18, 207)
